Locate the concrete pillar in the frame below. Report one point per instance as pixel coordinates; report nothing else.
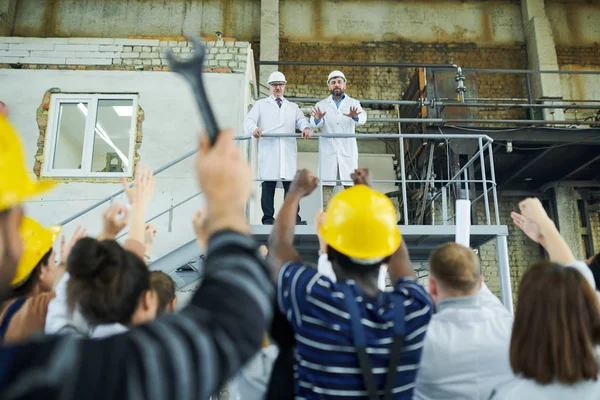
(567, 215)
(269, 37)
(541, 53)
(7, 16)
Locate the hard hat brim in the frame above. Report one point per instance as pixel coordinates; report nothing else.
(330, 238)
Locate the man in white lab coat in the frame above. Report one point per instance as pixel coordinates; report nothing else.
(277, 157)
(339, 113)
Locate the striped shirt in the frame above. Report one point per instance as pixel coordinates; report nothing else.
(188, 355)
(327, 366)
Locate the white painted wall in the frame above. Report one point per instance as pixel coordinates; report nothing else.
(170, 130)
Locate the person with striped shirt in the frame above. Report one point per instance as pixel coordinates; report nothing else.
(189, 355)
(353, 341)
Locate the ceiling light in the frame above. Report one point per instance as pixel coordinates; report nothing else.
(123, 111)
(528, 179)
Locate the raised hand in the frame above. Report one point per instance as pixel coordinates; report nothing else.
(317, 113)
(65, 248)
(353, 113)
(362, 176)
(304, 183)
(530, 228)
(114, 220)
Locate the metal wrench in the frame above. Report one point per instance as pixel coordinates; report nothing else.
(192, 71)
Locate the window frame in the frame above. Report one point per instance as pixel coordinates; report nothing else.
(88, 140)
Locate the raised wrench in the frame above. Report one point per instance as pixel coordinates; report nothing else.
(192, 71)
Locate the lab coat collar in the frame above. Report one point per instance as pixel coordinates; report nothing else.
(459, 302)
(332, 101)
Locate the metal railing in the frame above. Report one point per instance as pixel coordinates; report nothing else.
(459, 178)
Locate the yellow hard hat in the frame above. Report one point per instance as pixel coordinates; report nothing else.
(16, 184)
(37, 240)
(361, 224)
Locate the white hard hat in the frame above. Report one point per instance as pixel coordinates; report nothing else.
(277, 77)
(336, 74)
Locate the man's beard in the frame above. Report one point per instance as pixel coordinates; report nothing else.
(341, 93)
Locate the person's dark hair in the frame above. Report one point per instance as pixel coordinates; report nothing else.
(352, 268)
(25, 288)
(455, 267)
(106, 281)
(556, 327)
(164, 287)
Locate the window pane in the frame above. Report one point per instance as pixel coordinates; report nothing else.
(71, 131)
(112, 136)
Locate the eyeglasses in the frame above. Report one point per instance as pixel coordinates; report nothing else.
(278, 84)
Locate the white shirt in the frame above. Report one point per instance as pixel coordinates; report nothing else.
(466, 349)
(277, 157)
(528, 389)
(337, 153)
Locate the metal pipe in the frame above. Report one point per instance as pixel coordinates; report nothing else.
(477, 121)
(444, 206)
(403, 176)
(355, 64)
(494, 190)
(319, 169)
(432, 66)
(381, 135)
(504, 272)
(529, 95)
(511, 105)
(483, 176)
(362, 101)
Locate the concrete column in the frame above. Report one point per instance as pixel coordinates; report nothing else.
(7, 16)
(567, 215)
(541, 53)
(269, 37)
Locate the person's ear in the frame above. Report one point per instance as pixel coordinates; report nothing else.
(433, 289)
(481, 280)
(172, 305)
(150, 300)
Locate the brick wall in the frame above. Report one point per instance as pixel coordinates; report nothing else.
(127, 54)
(389, 83)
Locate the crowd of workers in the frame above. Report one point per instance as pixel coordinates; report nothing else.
(93, 322)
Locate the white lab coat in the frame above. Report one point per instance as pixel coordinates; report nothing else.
(338, 152)
(277, 157)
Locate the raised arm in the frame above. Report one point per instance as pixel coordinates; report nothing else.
(281, 240)
(186, 355)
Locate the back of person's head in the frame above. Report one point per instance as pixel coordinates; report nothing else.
(556, 327)
(164, 287)
(454, 271)
(360, 230)
(109, 284)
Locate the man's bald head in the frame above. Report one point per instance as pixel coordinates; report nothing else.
(456, 269)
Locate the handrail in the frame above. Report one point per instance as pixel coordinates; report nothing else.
(283, 135)
(112, 196)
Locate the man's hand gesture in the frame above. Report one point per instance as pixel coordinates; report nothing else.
(353, 113)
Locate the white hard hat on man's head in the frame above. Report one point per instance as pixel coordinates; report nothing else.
(336, 74)
(277, 77)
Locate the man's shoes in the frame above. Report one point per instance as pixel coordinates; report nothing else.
(301, 223)
(268, 221)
